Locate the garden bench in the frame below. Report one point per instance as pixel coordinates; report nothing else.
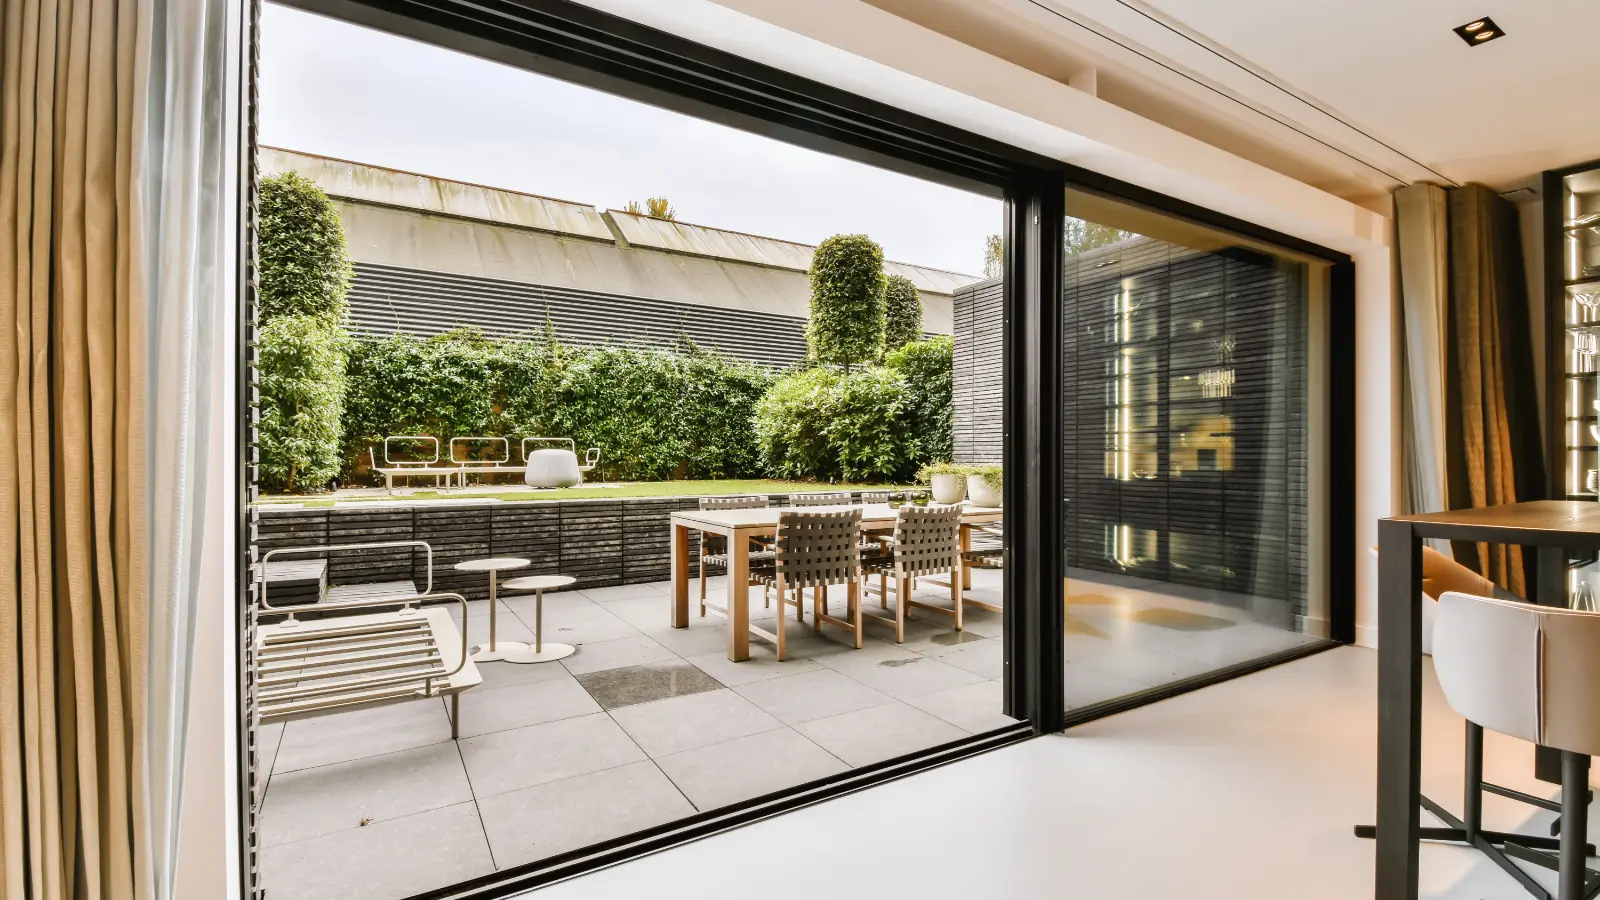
(392, 469)
(348, 660)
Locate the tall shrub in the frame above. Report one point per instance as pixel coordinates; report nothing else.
(304, 273)
(823, 423)
(926, 368)
(847, 282)
(302, 371)
(902, 312)
(304, 262)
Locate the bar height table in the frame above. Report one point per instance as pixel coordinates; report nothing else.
(494, 650)
(1556, 528)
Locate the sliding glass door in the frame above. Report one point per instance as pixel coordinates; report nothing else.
(1193, 372)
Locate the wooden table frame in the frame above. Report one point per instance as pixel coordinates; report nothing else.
(1555, 527)
(738, 526)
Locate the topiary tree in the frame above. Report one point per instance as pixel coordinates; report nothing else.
(304, 273)
(302, 371)
(304, 264)
(902, 312)
(847, 285)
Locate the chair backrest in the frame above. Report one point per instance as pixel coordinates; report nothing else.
(819, 548)
(927, 539)
(1532, 672)
(752, 501)
(828, 498)
(874, 497)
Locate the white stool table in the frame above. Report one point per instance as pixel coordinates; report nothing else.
(540, 651)
(494, 650)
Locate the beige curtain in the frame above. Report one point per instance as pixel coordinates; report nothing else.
(73, 595)
(1493, 412)
(1422, 249)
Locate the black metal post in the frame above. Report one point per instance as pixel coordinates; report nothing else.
(1551, 579)
(1399, 710)
(1472, 799)
(1035, 219)
(1574, 825)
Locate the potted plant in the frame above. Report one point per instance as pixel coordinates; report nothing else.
(986, 485)
(948, 481)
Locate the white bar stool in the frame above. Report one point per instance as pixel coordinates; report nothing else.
(1531, 672)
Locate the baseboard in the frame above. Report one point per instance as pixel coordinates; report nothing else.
(1367, 636)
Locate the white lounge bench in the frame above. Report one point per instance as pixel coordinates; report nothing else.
(392, 469)
(354, 658)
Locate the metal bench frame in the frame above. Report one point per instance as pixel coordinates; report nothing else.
(343, 663)
(409, 468)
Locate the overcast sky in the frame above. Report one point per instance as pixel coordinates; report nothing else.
(339, 90)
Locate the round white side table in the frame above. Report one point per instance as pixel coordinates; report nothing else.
(540, 651)
(493, 650)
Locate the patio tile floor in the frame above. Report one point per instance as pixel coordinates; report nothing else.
(645, 724)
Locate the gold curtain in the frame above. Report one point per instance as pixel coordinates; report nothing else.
(73, 596)
(1493, 413)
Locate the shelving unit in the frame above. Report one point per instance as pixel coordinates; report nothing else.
(1572, 276)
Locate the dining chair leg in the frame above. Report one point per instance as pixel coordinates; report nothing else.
(955, 593)
(819, 607)
(780, 626)
(883, 589)
(855, 610)
(702, 581)
(901, 595)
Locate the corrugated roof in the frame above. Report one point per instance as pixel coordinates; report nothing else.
(390, 187)
(408, 190)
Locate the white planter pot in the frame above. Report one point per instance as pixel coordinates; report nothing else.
(981, 493)
(948, 489)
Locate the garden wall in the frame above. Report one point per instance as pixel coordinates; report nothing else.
(600, 542)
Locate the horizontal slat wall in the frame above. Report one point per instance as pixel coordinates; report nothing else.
(977, 375)
(388, 299)
(599, 542)
(1164, 480)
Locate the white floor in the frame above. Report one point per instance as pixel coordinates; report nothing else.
(1244, 790)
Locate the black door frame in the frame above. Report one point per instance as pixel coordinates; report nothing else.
(579, 44)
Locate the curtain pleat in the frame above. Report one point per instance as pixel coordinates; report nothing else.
(72, 493)
(1493, 424)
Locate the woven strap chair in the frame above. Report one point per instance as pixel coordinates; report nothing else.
(815, 550)
(874, 497)
(714, 548)
(926, 541)
(825, 498)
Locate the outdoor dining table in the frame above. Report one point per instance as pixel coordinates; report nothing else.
(1556, 528)
(738, 526)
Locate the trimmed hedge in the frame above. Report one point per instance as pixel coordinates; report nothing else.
(655, 415)
(927, 369)
(304, 262)
(302, 372)
(847, 281)
(902, 313)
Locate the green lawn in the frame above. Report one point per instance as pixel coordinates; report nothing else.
(637, 489)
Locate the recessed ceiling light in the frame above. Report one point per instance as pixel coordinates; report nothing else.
(1479, 31)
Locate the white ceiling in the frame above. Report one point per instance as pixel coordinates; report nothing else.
(1495, 113)
(1354, 97)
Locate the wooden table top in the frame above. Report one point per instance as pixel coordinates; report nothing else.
(767, 517)
(1552, 523)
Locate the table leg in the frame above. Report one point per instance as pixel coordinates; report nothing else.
(493, 602)
(538, 621)
(680, 576)
(1551, 564)
(1399, 710)
(966, 547)
(738, 598)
